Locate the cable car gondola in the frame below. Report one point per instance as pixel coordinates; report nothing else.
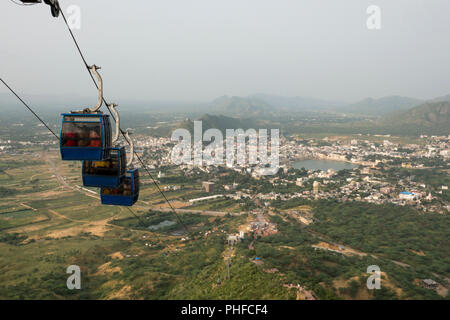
(106, 173)
(86, 134)
(125, 195)
(111, 172)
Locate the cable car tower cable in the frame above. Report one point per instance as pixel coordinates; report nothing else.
(49, 129)
(29, 108)
(56, 10)
(122, 132)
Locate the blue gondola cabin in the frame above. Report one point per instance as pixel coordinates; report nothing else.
(106, 173)
(85, 136)
(125, 195)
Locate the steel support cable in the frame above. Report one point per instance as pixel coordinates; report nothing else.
(29, 108)
(42, 121)
(121, 131)
(144, 224)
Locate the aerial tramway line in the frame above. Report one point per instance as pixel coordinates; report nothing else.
(86, 136)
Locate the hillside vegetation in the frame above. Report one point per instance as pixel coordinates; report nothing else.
(220, 122)
(429, 118)
(381, 106)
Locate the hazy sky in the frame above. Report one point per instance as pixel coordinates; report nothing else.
(197, 50)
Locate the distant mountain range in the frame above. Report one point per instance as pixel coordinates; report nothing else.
(256, 105)
(263, 105)
(428, 118)
(240, 107)
(440, 99)
(297, 103)
(382, 106)
(220, 122)
(397, 115)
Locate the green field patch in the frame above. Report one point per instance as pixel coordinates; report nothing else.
(10, 208)
(14, 164)
(33, 273)
(167, 220)
(20, 218)
(73, 199)
(88, 212)
(214, 205)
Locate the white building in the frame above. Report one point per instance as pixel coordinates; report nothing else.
(316, 186)
(407, 195)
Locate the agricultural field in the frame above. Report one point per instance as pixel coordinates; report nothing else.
(220, 204)
(47, 223)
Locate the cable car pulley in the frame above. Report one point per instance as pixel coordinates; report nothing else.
(54, 5)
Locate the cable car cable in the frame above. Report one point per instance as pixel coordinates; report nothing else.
(137, 217)
(144, 224)
(123, 133)
(29, 108)
(162, 193)
(42, 121)
(79, 51)
(107, 104)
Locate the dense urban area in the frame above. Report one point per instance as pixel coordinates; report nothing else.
(301, 233)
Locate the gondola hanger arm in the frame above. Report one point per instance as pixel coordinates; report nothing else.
(94, 69)
(113, 109)
(130, 142)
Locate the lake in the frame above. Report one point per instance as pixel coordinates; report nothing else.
(323, 165)
(165, 223)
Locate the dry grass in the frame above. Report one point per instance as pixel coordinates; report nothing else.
(105, 269)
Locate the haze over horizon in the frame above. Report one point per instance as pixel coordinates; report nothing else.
(199, 50)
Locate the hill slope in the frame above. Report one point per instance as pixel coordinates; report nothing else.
(297, 103)
(382, 106)
(220, 122)
(429, 118)
(240, 107)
